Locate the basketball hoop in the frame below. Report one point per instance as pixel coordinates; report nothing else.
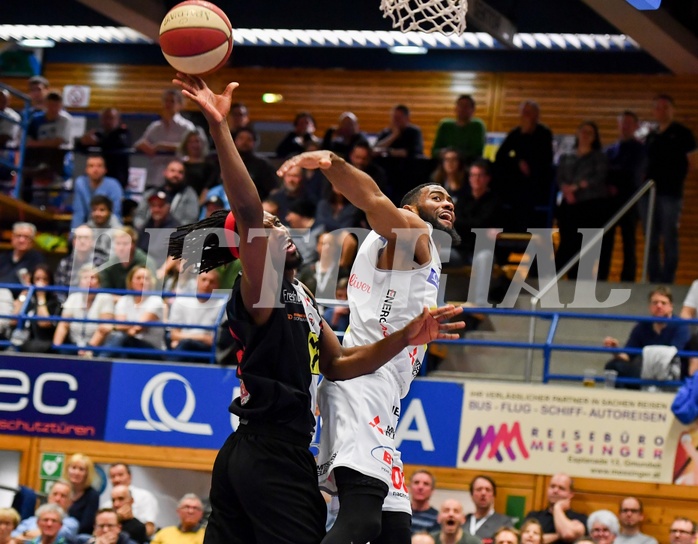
(445, 16)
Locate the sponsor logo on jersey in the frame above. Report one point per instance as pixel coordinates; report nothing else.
(384, 454)
(291, 297)
(356, 283)
(385, 310)
(388, 431)
(433, 278)
(325, 467)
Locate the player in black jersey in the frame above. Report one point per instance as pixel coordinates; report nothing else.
(264, 483)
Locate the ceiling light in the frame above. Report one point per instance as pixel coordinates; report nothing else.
(36, 42)
(408, 50)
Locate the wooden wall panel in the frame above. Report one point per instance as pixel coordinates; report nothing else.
(565, 99)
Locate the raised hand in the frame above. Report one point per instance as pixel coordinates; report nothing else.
(215, 107)
(310, 160)
(430, 325)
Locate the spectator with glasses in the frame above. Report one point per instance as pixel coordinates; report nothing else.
(190, 530)
(631, 516)
(682, 531)
(107, 530)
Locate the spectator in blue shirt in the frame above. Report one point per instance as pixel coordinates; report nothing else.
(647, 333)
(94, 182)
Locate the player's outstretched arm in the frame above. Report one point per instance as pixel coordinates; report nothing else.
(241, 191)
(359, 188)
(339, 363)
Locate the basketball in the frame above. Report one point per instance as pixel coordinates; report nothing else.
(196, 37)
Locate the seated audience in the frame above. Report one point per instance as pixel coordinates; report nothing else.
(451, 519)
(644, 334)
(683, 531)
(215, 200)
(293, 189)
(190, 511)
(36, 336)
(422, 538)
(7, 308)
(184, 202)
(361, 156)
(50, 128)
(102, 220)
(145, 505)
(200, 172)
(603, 526)
(261, 171)
(16, 264)
(424, 515)
(531, 532)
(560, 523)
(94, 182)
(335, 212)
(9, 519)
(85, 305)
(297, 140)
(338, 316)
(452, 173)
(9, 125)
(484, 522)
(126, 256)
(465, 133)
(506, 535)
(402, 138)
(113, 139)
(239, 117)
(50, 519)
(161, 137)
(122, 502)
(80, 471)
(107, 530)
(139, 307)
(85, 253)
(631, 515)
(59, 495)
(342, 138)
(154, 235)
(199, 310)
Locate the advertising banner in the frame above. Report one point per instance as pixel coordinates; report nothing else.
(56, 397)
(171, 405)
(585, 432)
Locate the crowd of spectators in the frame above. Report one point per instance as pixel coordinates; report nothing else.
(510, 193)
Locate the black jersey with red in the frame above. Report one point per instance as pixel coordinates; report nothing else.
(279, 369)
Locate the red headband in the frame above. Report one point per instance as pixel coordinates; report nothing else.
(229, 235)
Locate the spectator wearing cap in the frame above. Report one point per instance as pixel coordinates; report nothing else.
(304, 229)
(94, 182)
(214, 203)
(184, 202)
(38, 90)
(154, 235)
(261, 170)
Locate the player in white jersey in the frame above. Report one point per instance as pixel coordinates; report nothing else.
(395, 274)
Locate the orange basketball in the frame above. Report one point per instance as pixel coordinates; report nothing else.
(196, 37)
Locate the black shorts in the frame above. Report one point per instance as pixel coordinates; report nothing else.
(264, 490)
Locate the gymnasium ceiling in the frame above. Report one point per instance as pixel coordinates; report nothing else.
(666, 40)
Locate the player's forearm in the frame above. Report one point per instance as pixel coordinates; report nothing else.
(360, 360)
(357, 186)
(239, 187)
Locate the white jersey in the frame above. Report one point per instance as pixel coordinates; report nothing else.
(384, 301)
(359, 416)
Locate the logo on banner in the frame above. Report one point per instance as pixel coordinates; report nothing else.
(494, 439)
(153, 393)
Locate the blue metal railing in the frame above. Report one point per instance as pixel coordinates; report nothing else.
(23, 317)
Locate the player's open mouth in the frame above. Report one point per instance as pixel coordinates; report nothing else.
(447, 216)
(290, 246)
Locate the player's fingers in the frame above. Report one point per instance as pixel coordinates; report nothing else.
(452, 326)
(231, 87)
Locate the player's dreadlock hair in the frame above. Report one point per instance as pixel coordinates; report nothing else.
(210, 253)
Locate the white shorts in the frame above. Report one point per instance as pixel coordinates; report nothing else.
(398, 498)
(359, 418)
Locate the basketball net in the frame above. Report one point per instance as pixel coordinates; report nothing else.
(445, 16)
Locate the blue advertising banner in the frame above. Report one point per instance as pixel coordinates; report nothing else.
(171, 405)
(427, 433)
(57, 397)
